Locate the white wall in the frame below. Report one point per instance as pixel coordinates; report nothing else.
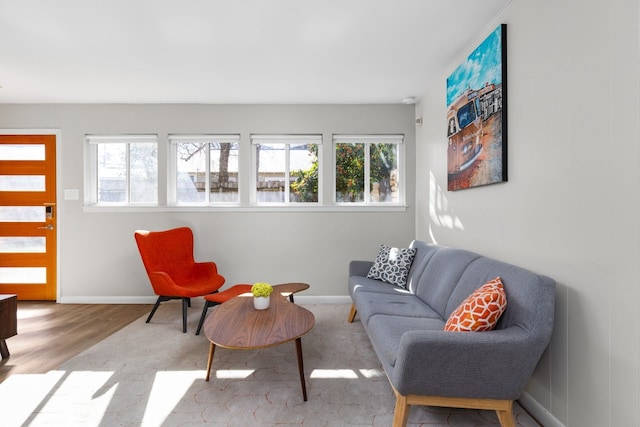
(99, 261)
(571, 207)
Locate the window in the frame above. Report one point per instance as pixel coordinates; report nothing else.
(286, 168)
(205, 169)
(123, 170)
(372, 159)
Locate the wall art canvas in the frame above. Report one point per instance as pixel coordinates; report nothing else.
(477, 116)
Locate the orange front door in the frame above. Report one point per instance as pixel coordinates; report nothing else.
(28, 216)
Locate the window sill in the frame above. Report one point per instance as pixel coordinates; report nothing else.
(253, 208)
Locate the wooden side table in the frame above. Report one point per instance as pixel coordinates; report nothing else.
(8, 321)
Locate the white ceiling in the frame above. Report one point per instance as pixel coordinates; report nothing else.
(232, 51)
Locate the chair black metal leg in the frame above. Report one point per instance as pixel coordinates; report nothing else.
(153, 310)
(185, 303)
(207, 304)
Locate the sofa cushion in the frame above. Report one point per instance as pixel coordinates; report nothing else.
(392, 265)
(386, 332)
(406, 305)
(481, 310)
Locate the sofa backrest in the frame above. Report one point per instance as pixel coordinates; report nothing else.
(424, 251)
(444, 277)
(440, 276)
(528, 294)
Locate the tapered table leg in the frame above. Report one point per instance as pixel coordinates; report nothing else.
(212, 348)
(301, 368)
(4, 350)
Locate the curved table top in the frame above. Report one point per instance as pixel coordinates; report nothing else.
(236, 324)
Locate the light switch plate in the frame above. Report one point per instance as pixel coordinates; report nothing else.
(71, 194)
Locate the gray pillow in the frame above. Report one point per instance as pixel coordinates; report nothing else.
(392, 265)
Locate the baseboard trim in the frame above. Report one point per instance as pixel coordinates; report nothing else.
(107, 300)
(319, 299)
(538, 411)
(302, 299)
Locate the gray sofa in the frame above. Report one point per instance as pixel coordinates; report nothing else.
(428, 366)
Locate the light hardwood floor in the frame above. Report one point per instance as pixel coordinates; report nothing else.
(49, 334)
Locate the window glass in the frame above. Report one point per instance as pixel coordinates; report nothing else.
(112, 173)
(383, 181)
(124, 169)
(271, 174)
(206, 169)
(349, 172)
(374, 160)
(192, 171)
(303, 168)
(287, 168)
(143, 169)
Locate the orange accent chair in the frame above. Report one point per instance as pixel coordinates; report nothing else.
(168, 259)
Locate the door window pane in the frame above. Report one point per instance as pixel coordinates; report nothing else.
(22, 183)
(23, 244)
(22, 213)
(23, 275)
(22, 152)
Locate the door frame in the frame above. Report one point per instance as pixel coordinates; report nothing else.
(59, 212)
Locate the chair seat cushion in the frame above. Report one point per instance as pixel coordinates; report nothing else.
(227, 294)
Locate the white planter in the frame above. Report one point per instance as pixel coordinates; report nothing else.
(261, 303)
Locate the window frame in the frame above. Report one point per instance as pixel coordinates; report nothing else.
(92, 142)
(287, 140)
(368, 140)
(172, 167)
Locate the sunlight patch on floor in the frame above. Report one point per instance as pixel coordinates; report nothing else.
(334, 373)
(234, 373)
(161, 403)
(372, 373)
(26, 394)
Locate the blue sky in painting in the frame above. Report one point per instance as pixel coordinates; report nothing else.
(482, 66)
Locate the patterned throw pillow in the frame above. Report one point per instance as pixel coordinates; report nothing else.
(481, 311)
(392, 265)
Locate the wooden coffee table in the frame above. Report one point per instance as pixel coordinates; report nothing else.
(236, 325)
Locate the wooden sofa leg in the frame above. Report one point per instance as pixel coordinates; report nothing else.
(352, 313)
(401, 414)
(505, 416)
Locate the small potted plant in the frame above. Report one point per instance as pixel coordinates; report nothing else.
(261, 295)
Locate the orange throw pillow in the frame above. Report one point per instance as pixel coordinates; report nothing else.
(481, 311)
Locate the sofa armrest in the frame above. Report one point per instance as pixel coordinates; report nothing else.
(494, 365)
(359, 268)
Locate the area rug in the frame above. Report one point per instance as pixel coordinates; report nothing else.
(154, 375)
